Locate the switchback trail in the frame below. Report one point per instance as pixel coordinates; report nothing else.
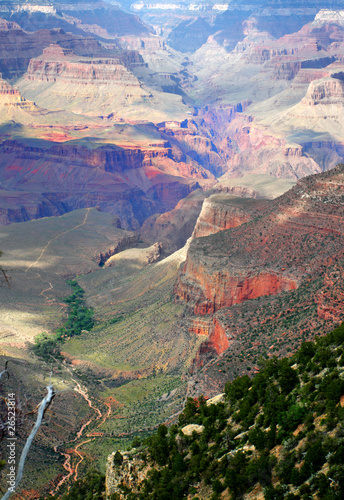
(68, 454)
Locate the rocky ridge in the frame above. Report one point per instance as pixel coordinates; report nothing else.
(94, 175)
(280, 247)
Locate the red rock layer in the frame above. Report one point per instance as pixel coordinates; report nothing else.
(131, 183)
(223, 289)
(291, 243)
(216, 344)
(286, 240)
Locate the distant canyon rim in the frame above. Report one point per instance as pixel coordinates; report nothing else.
(181, 163)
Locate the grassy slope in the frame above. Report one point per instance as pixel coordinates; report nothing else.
(135, 356)
(35, 254)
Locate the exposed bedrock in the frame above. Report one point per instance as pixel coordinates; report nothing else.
(325, 91)
(242, 146)
(18, 47)
(282, 245)
(216, 343)
(211, 292)
(173, 228)
(221, 212)
(64, 64)
(124, 181)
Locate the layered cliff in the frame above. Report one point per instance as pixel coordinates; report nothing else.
(282, 246)
(132, 183)
(103, 85)
(18, 46)
(101, 19)
(271, 81)
(221, 212)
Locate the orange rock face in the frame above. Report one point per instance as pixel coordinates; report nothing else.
(216, 343)
(222, 289)
(286, 244)
(218, 338)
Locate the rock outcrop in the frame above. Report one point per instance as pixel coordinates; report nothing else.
(131, 183)
(125, 470)
(325, 91)
(174, 228)
(221, 212)
(18, 46)
(58, 62)
(101, 19)
(282, 246)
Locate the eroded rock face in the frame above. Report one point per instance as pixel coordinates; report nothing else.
(58, 62)
(221, 212)
(174, 228)
(325, 91)
(226, 288)
(123, 181)
(18, 46)
(99, 18)
(130, 472)
(284, 244)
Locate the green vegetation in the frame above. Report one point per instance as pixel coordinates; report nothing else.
(79, 318)
(280, 432)
(91, 487)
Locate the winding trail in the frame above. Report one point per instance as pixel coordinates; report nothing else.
(67, 465)
(81, 457)
(84, 394)
(47, 289)
(56, 237)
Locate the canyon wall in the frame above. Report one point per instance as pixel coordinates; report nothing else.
(279, 247)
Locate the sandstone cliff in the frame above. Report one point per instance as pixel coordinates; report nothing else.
(281, 246)
(18, 46)
(132, 183)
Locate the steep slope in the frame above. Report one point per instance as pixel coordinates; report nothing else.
(272, 115)
(131, 182)
(124, 375)
(276, 436)
(188, 36)
(20, 46)
(289, 251)
(96, 86)
(101, 19)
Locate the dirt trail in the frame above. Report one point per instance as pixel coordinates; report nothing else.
(81, 457)
(74, 451)
(66, 466)
(56, 237)
(84, 394)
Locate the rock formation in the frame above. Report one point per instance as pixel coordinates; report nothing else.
(101, 19)
(281, 245)
(106, 176)
(221, 212)
(127, 470)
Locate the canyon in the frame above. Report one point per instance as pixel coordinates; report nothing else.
(241, 284)
(185, 174)
(282, 117)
